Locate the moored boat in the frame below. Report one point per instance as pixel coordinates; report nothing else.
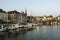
(3, 27)
(13, 26)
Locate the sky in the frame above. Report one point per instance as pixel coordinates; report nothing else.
(34, 7)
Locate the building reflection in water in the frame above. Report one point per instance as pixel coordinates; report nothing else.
(12, 34)
(44, 29)
(37, 28)
(2, 35)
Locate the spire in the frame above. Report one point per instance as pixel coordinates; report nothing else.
(25, 11)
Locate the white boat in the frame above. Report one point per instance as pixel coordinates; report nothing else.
(29, 25)
(21, 26)
(13, 26)
(34, 24)
(3, 27)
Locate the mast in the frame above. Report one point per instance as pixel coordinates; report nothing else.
(25, 14)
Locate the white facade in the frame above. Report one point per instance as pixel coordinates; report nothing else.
(3, 16)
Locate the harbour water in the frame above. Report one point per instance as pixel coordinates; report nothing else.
(45, 32)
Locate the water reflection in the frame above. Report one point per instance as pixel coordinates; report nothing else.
(13, 34)
(2, 35)
(45, 32)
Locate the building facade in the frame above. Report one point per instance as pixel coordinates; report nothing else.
(17, 17)
(12, 16)
(3, 16)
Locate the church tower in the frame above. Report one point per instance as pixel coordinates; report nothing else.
(25, 11)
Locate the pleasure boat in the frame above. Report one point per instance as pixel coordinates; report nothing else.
(13, 26)
(3, 27)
